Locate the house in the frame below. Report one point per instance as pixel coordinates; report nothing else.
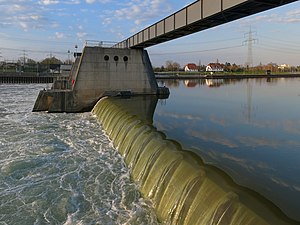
(284, 67)
(214, 67)
(191, 67)
(65, 68)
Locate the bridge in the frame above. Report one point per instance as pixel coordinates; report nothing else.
(126, 69)
(198, 16)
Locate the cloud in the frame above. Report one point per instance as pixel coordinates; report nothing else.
(256, 142)
(294, 12)
(288, 125)
(259, 141)
(280, 182)
(54, 24)
(59, 35)
(100, 1)
(90, 1)
(142, 12)
(180, 116)
(24, 25)
(48, 2)
(35, 17)
(296, 188)
(81, 35)
(107, 21)
(22, 14)
(73, 2)
(213, 137)
(292, 16)
(25, 21)
(117, 33)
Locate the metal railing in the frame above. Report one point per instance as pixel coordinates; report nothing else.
(96, 43)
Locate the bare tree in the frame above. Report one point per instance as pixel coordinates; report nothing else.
(172, 66)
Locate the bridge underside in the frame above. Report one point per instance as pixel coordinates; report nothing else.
(200, 15)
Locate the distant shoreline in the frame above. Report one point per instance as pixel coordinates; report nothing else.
(231, 76)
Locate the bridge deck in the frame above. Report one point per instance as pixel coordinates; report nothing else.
(200, 15)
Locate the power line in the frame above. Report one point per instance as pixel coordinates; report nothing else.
(278, 51)
(207, 42)
(199, 51)
(34, 51)
(283, 42)
(37, 40)
(292, 50)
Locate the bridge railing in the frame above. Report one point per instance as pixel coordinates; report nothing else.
(123, 44)
(96, 43)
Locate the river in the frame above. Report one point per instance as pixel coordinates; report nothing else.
(63, 168)
(249, 128)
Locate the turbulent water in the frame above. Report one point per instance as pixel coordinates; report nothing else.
(61, 168)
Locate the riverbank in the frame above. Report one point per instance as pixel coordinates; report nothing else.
(224, 76)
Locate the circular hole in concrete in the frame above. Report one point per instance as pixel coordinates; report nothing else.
(125, 58)
(106, 57)
(116, 58)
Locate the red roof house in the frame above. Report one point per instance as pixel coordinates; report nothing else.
(215, 67)
(191, 67)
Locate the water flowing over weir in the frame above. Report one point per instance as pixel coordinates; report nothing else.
(182, 188)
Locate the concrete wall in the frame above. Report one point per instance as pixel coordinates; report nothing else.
(108, 71)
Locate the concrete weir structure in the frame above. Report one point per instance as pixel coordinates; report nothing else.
(97, 73)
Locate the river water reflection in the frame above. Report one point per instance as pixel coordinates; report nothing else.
(248, 128)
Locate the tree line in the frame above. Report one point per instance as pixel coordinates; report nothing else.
(46, 61)
(28, 65)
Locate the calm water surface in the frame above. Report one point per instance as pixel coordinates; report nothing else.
(61, 168)
(248, 128)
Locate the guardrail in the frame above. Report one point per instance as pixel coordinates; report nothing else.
(104, 44)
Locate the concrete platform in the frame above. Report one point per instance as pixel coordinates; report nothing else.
(97, 73)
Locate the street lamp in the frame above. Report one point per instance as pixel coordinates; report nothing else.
(69, 56)
(76, 51)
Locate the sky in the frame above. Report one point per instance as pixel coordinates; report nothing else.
(38, 29)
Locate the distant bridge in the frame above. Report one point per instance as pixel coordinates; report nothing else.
(200, 15)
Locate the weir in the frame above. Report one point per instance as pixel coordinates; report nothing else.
(12, 79)
(183, 189)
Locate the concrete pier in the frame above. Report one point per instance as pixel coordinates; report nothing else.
(100, 72)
